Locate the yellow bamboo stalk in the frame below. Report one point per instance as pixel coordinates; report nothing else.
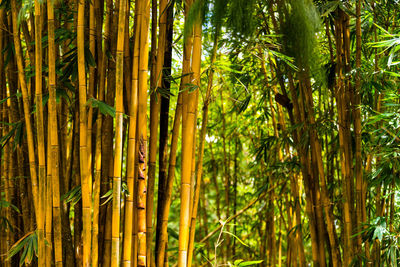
(85, 184)
(40, 132)
(8, 190)
(199, 164)
(189, 100)
(49, 203)
(92, 84)
(130, 173)
(163, 239)
(142, 132)
(135, 240)
(119, 108)
(54, 145)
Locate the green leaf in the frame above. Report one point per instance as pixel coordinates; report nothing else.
(248, 263)
(73, 196)
(237, 238)
(107, 195)
(172, 233)
(103, 107)
(236, 262)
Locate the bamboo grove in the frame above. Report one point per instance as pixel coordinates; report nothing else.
(199, 133)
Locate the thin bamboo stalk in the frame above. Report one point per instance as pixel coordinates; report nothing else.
(40, 135)
(102, 62)
(155, 104)
(357, 129)
(3, 89)
(49, 203)
(91, 91)
(164, 123)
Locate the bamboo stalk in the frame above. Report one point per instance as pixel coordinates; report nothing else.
(102, 62)
(164, 123)
(54, 151)
(40, 135)
(357, 129)
(199, 164)
(91, 91)
(83, 153)
(119, 110)
(130, 174)
(155, 104)
(142, 133)
(188, 134)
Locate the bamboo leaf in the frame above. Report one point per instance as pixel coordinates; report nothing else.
(237, 238)
(103, 107)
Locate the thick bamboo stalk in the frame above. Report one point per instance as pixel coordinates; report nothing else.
(83, 153)
(142, 133)
(199, 164)
(119, 109)
(54, 146)
(131, 154)
(188, 134)
(40, 134)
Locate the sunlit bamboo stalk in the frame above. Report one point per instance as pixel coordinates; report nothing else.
(142, 133)
(83, 154)
(54, 146)
(131, 156)
(119, 109)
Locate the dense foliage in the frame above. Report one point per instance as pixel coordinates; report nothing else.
(204, 132)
